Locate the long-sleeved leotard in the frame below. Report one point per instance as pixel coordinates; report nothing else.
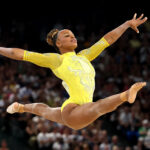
(75, 70)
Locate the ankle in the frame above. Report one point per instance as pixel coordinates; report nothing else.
(21, 108)
(124, 96)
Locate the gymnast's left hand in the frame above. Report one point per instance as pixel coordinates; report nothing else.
(135, 22)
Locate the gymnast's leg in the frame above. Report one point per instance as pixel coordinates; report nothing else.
(75, 116)
(78, 117)
(40, 109)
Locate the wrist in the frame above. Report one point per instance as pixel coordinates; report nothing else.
(128, 24)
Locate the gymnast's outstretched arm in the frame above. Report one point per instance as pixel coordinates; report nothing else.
(48, 60)
(111, 37)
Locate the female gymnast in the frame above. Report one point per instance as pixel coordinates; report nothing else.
(77, 74)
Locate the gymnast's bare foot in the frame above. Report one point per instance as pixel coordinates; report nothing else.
(132, 92)
(15, 107)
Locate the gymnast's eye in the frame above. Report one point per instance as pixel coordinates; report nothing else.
(66, 35)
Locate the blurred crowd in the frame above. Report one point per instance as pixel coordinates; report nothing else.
(117, 68)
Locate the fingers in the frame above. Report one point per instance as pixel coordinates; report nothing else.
(140, 17)
(144, 19)
(136, 29)
(134, 17)
(136, 22)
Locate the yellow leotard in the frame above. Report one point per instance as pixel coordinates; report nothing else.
(75, 70)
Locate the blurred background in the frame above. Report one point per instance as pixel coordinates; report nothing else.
(117, 68)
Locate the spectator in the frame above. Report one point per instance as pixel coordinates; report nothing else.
(42, 138)
(147, 140)
(144, 128)
(128, 148)
(114, 142)
(4, 145)
(140, 144)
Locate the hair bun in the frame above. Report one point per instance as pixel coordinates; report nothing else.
(50, 36)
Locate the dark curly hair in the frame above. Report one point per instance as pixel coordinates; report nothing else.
(52, 37)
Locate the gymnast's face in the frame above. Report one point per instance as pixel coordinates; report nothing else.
(66, 41)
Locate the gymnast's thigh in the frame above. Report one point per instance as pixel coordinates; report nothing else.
(78, 116)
